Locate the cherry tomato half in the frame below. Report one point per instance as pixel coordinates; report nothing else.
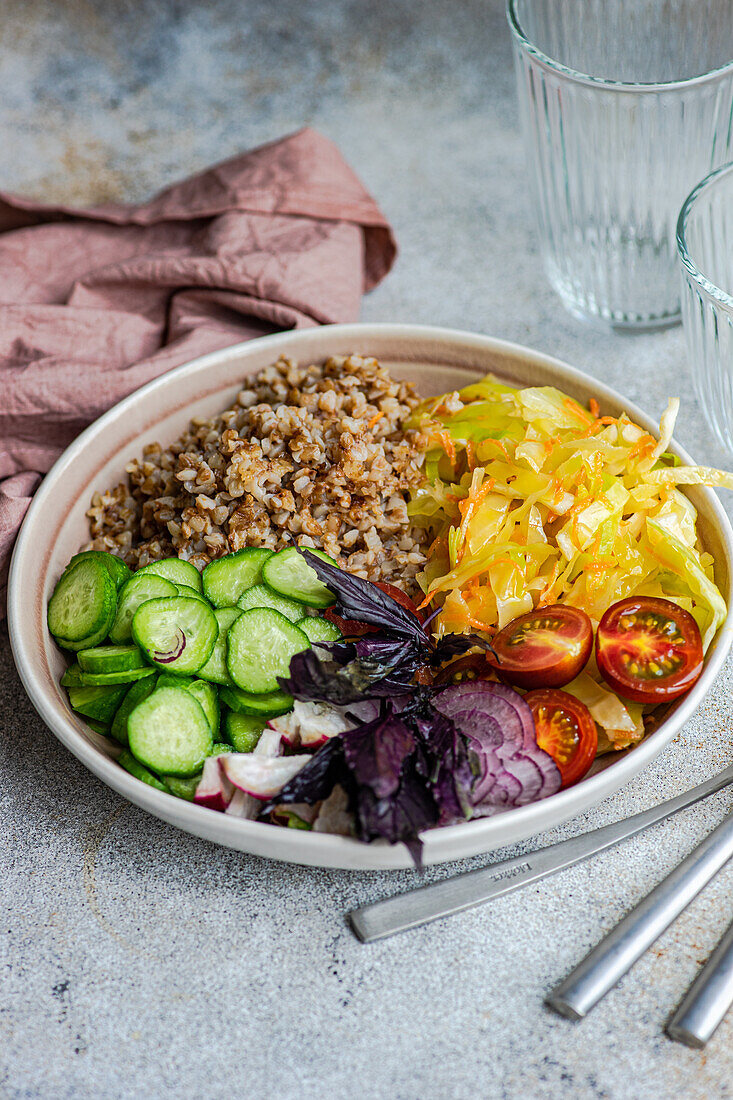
(648, 650)
(565, 729)
(350, 628)
(544, 648)
(472, 667)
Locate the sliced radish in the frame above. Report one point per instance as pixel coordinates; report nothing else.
(302, 810)
(214, 789)
(268, 744)
(262, 777)
(311, 724)
(244, 806)
(334, 815)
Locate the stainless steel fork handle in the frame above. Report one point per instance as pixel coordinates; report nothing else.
(453, 895)
(602, 968)
(708, 998)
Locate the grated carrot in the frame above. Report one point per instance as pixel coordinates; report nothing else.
(594, 407)
(448, 446)
(471, 455)
(575, 409)
(374, 420)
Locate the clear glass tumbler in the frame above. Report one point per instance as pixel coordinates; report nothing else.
(705, 246)
(625, 104)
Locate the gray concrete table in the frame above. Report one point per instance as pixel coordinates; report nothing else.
(141, 962)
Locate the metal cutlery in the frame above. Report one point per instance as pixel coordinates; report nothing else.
(606, 964)
(708, 998)
(453, 895)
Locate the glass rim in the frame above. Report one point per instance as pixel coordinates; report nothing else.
(579, 77)
(692, 269)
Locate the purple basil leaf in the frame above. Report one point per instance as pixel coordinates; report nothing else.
(447, 759)
(313, 679)
(376, 751)
(363, 602)
(317, 779)
(451, 645)
(402, 817)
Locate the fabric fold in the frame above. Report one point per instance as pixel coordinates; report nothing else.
(97, 301)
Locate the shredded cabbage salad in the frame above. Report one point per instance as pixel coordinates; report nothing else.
(532, 499)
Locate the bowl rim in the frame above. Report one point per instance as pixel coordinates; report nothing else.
(323, 849)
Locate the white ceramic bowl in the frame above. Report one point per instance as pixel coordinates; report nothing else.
(436, 360)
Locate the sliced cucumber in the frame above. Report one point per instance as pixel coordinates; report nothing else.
(182, 788)
(192, 593)
(215, 668)
(176, 570)
(97, 702)
(317, 629)
(270, 705)
(208, 696)
(97, 726)
(71, 677)
(259, 595)
(140, 588)
(243, 730)
(220, 748)
(260, 646)
(225, 579)
(169, 733)
(170, 680)
(186, 788)
(110, 658)
(289, 574)
(118, 570)
(204, 692)
(83, 603)
(134, 767)
(177, 634)
(127, 676)
(138, 691)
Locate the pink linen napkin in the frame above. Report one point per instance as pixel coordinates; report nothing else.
(96, 302)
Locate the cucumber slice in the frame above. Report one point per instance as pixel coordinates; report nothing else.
(134, 767)
(127, 676)
(215, 668)
(208, 697)
(192, 593)
(83, 602)
(182, 788)
(243, 730)
(71, 677)
(259, 595)
(220, 748)
(270, 705)
(175, 570)
(110, 658)
(84, 643)
(139, 588)
(168, 680)
(260, 646)
(289, 574)
(317, 629)
(169, 733)
(97, 726)
(138, 691)
(118, 570)
(97, 702)
(225, 579)
(176, 634)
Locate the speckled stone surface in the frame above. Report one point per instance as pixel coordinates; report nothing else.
(141, 962)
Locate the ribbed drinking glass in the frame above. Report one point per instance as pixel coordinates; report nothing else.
(625, 104)
(705, 246)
